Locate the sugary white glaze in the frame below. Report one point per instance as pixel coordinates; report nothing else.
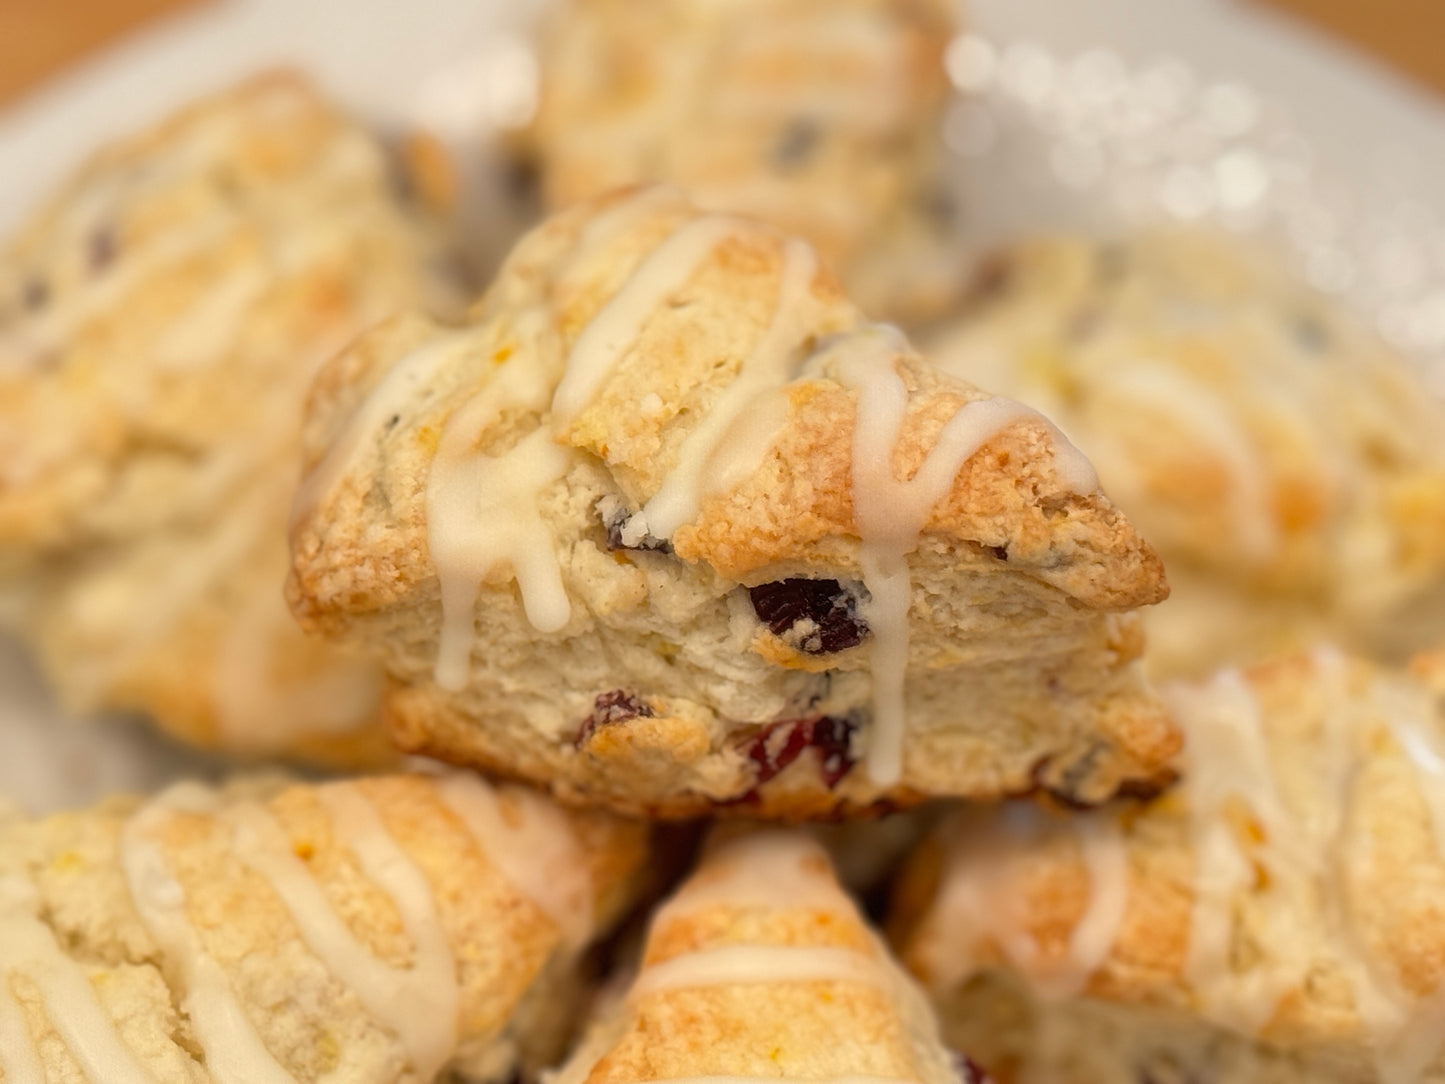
(763, 871)
(482, 516)
(418, 1003)
(534, 848)
(233, 1050)
(986, 892)
(386, 400)
(748, 964)
(610, 333)
(890, 513)
(766, 368)
(1304, 856)
(28, 947)
(1196, 406)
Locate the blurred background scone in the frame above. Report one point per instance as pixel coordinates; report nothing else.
(382, 930)
(1290, 468)
(1278, 918)
(669, 525)
(822, 117)
(160, 321)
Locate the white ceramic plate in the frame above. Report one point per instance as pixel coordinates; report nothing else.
(1079, 115)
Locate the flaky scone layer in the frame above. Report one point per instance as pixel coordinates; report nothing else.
(1278, 917)
(822, 117)
(760, 967)
(1289, 467)
(668, 525)
(160, 320)
(379, 930)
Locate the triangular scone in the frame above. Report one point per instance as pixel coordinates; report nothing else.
(1222, 398)
(822, 117)
(760, 967)
(638, 533)
(377, 930)
(1277, 918)
(160, 321)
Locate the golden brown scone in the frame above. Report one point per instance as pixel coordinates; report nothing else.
(638, 532)
(160, 320)
(760, 967)
(1289, 467)
(1279, 917)
(382, 930)
(823, 117)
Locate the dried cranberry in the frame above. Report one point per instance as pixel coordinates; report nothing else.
(101, 249)
(781, 743)
(968, 1070)
(828, 609)
(615, 518)
(797, 143)
(616, 706)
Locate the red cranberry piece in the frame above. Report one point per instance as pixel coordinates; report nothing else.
(968, 1070)
(615, 518)
(616, 706)
(827, 610)
(781, 743)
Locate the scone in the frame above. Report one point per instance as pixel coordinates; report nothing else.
(640, 532)
(822, 117)
(1279, 917)
(761, 968)
(379, 930)
(160, 320)
(1289, 468)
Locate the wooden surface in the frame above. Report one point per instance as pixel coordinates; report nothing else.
(40, 37)
(1408, 34)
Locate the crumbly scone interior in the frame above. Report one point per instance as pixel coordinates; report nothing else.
(761, 967)
(1289, 467)
(1278, 917)
(380, 929)
(564, 523)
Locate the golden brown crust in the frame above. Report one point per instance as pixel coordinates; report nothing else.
(100, 877)
(619, 339)
(864, 1020)
(1325, 956)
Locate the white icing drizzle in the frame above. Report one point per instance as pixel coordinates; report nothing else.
(1101, 844)
(677, 500)
(610, 332)
(750, 964)
(418, 1003)
(467, 489)
(28, 947)
(535, 850)
(233, 1050)
(985, 897)
(1199, 409)
(890, 513)
(387, 399)
(1227, 762)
